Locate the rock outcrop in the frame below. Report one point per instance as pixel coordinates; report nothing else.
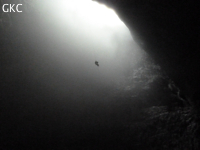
(168, 31)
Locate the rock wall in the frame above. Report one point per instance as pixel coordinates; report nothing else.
(168, 30)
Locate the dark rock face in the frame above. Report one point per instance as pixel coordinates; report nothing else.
(168, 31)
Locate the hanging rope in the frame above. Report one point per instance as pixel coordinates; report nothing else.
(95, 58)
(94, 53)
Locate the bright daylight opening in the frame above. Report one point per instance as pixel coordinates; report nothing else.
(82, 32)
(92, 12)
(87, 23)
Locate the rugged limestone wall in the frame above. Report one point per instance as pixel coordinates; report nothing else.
(169, 32)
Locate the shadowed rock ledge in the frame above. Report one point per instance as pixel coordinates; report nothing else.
(169, 32)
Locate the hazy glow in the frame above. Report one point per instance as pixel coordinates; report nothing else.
(90, 11)
(78, 32)
(85, 21)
